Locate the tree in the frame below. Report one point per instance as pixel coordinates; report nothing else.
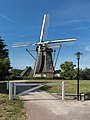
(4, 60)
(85, 74)
(15, 73)
(67, 70)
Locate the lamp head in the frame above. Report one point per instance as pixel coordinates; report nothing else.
(78, 54)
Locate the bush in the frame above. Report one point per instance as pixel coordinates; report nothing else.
(36, 78)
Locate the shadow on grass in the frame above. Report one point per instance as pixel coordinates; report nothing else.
(3, 88)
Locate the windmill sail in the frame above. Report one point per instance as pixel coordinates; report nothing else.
(22, 44)
(43, 62)
(60, 41)
(44, 29)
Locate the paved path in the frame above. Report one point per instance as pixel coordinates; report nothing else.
(43, 106)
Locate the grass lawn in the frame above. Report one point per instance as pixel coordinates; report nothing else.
(70, 86)
(10, 109)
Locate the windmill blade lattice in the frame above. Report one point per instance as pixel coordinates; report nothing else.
(43, 61)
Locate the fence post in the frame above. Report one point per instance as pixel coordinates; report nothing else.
(63, 90)
(14, 92)
(10, 90)
(7, 85)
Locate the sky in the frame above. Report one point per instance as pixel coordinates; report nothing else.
(21, 20)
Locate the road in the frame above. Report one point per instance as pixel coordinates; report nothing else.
(44, 106)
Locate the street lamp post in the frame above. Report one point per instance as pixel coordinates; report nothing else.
(78, 58)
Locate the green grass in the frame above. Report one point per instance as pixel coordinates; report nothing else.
(70, 86)
(10, 109)
(85, 86)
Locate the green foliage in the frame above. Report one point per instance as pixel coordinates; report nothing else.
(85, 74)
(36, 78)
(4, 60)
(70, 86)
(67, 70)
(3, 50)
(15, 74)
(57, 71)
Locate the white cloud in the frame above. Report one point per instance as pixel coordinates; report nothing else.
(87, 48)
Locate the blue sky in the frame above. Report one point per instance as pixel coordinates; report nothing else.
(20, 21)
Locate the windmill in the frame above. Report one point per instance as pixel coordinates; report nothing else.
(43, 61)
